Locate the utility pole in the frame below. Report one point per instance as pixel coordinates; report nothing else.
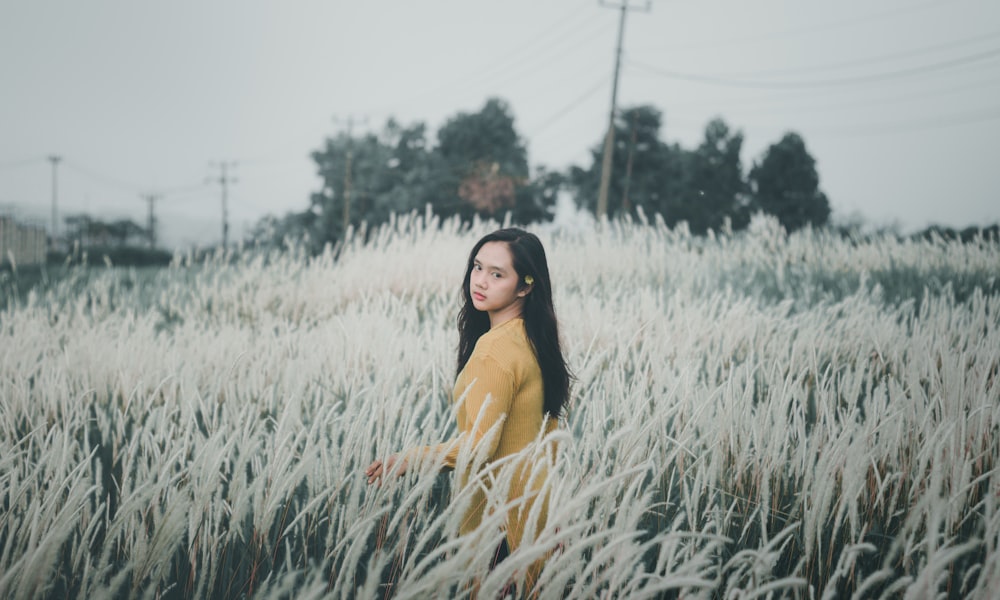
(55, 198)
(609, 139)
(151, 221)
(347, 190)
(224, 180)
(626, 205)
(347, 168)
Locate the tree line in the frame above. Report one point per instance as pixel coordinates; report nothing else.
(121, 241)
(478, 165)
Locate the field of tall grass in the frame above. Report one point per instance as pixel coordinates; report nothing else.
(757, 415)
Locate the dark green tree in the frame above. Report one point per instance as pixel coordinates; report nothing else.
(274, 231)
(714, 185)
(481, 167)
(646, 172)
(547, 185)
(785, 184)
(402, 182)
(81, 229)
(365, 179)
(478, 167)
(89, 232)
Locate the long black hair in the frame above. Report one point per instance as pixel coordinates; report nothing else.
(539, 316)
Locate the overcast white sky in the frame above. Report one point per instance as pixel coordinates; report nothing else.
(898, 100)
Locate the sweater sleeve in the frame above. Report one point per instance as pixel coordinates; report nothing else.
(487, 402)
(488, 399)
(445, 452)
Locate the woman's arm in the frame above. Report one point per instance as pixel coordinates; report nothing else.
(487, 403)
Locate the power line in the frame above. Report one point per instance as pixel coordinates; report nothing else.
(529, 54)
(741, 41)
(869, 60)
(182, 190)
(868, 102)
(18, 163)
(102, 178)
(113, 182)
(536, 62)
(546, 37)
(914, 125)
(551, 41)
(870, 78)
(565, 110)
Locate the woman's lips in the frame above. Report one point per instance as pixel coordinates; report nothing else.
(478, 296)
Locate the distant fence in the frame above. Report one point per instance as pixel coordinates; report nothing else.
(21, 244)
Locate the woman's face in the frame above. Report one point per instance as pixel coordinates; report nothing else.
(493, 283)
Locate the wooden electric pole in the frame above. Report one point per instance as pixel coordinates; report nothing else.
(609, 138)
(347, 190)
(224, 180)
(347, 168)
(151, 220)
(55, 198)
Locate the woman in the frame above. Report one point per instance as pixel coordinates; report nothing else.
(512, 380)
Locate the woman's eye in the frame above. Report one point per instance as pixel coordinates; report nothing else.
(496, 275)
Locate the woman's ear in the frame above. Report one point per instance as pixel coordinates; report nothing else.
(529, 283)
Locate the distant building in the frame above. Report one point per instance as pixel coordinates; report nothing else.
(21, 244)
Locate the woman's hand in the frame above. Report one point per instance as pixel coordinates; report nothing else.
(377, 468)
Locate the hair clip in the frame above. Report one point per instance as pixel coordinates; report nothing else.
(529, 279)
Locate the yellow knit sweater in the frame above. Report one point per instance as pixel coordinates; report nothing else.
(500, 387)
